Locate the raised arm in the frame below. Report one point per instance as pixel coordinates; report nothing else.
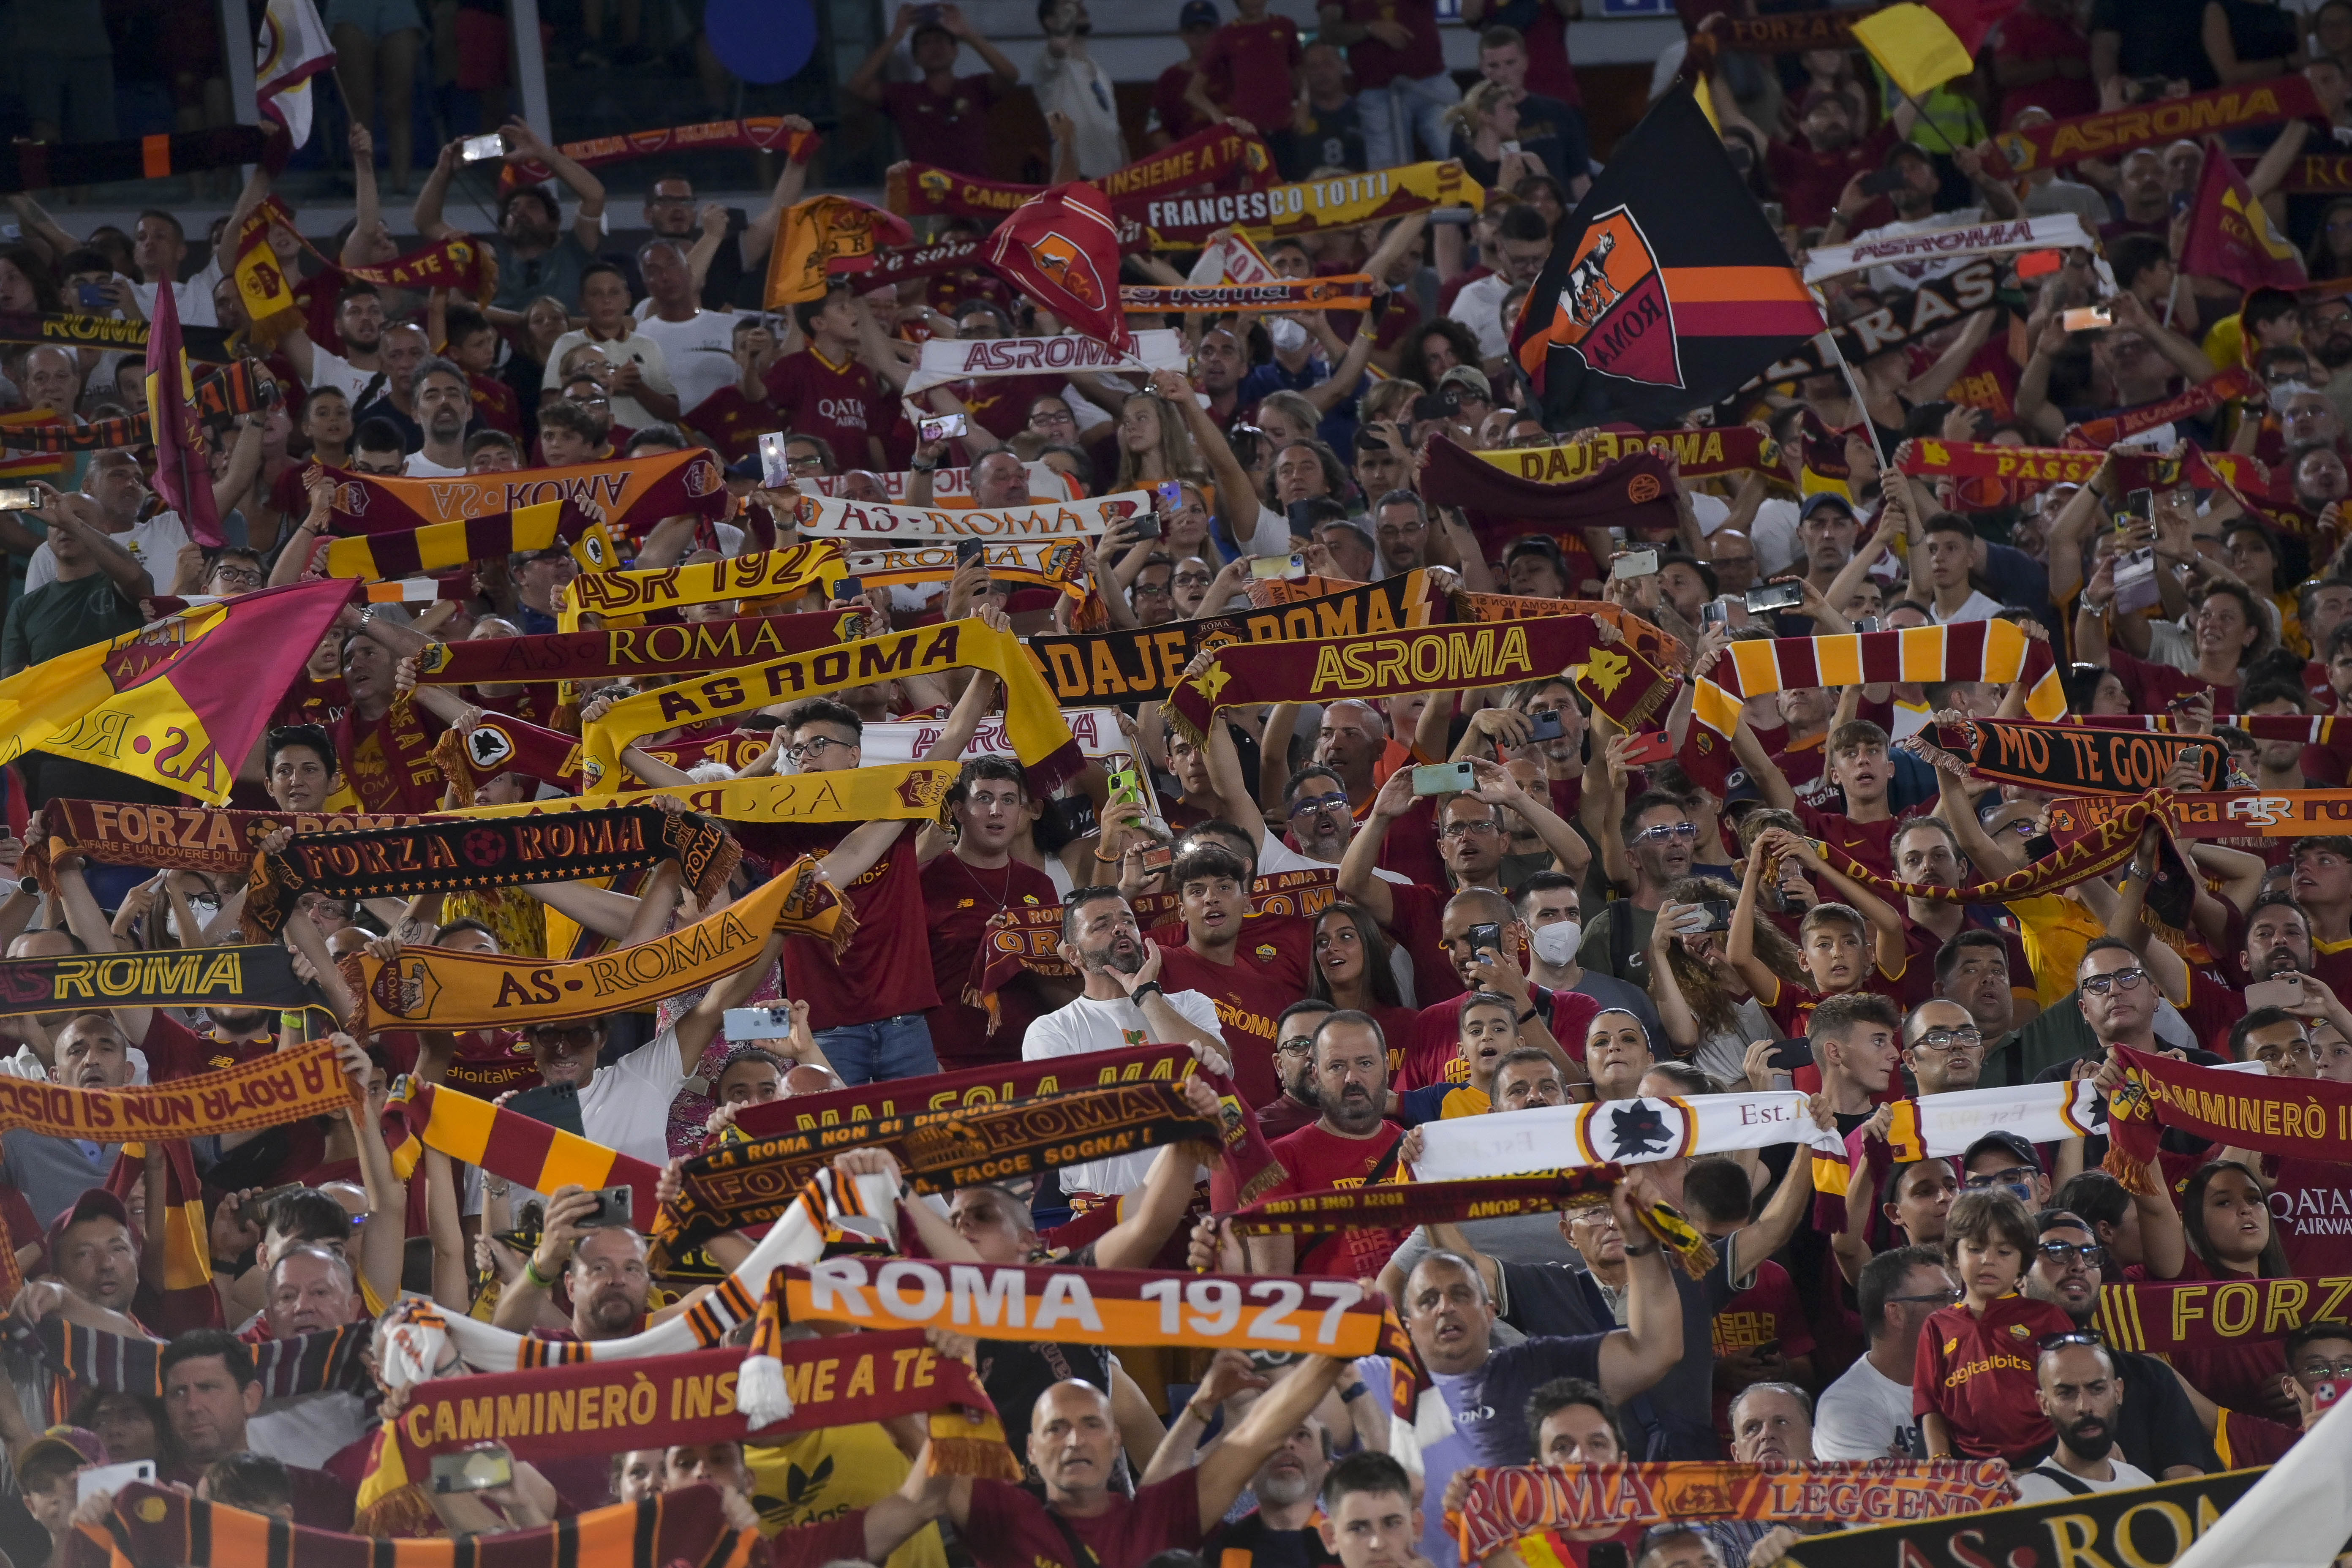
(1357, 883)
(1635, 1357)
(1220, 1478)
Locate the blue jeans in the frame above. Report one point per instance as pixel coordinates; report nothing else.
(1391, 115)
(877, 1052)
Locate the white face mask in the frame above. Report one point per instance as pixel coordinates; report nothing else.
(1288, 335)
(1556, 943)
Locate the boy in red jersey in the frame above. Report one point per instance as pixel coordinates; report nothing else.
(1974, 1387)
(826, 389)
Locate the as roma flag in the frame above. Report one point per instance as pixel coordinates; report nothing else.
(1672, 292)
(2230, 234)
(1061, 248)
(822, 238)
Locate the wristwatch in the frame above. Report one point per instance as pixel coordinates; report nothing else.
(1153, 987)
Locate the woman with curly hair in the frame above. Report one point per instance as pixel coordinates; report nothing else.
(1438, 348)
(1708, 1009)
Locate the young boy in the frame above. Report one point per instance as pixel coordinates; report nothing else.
(1858, 945)
(474, 345)
(46, 1471)
(1975, 1387)
(1489, 1028)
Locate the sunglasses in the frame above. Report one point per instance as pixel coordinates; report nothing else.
(1666, 831)
(2089, 1254)
(2121, 980)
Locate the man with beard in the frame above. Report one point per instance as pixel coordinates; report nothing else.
(2080, 1392)
(1349, 1144)
(2318, 473)
(445, 406)
(2278, 763)
(2327, 337)
(1811, 174)
(1866, 1413)
(1401, 520)
(1294, 1060)
(359, 322)
(1927, 851)
(2156, 1426)
(1660, 839)
(52, 1173)
(210, 1393)
(1250, 966)
(1914, 197)
(1122, 1005)
(536, 255)
(975, 880)
(1280, 1531)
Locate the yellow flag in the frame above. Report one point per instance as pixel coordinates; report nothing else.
(1913, 47)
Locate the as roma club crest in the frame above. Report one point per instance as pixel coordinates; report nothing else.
(1063, 263)
(1613, 308)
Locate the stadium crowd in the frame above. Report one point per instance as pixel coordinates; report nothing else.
(1356, 922)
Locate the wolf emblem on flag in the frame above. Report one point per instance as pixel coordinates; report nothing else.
(1060, 261)
(1614, 308)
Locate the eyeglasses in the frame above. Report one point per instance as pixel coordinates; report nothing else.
(1149, 591)
(244, 574)
(2014, 1176)
(812, 747)
(2072, 1337)
(807, 462)
(1941, 1297)
(1192, 579)
(1457, 829)
(1299, 1046)
(2315, 1372)
(1664, 831)
(1951, 1040)
(2121, 980)
(2089, 1254)
(1305, 806)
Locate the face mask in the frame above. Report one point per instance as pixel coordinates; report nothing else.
(1556, 943)
(1288, 335)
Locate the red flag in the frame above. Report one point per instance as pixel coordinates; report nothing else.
(183, 478)
(2230, 234)
(1061, 248)
(1970, 20)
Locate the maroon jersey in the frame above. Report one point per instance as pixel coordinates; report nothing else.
(949, 129)
(1415, 910)
(885, 970)
(2152, 686)
(494, 405)
(1766, 1312)
(1872, 842)
(732, 423)
(175, 1050)
(2311, 1209)
(1317, 1158)
(839, 402)
(1435, 1054)
(958, 899)
(1810, 182)
(1976, 1372)
(1008, 1527)
(1267, 974)
(1377, 64)
(1249, 67)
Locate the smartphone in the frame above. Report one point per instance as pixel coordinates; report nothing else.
(1125, 786)
(945, 428)
(1788, 1056)
(1300, 515)
(1714, 613)
(1143, 527)
(1635, 564)
(94, 296)
(2035, 264)
(112, 1477)
(19, 500)
(2324, 1393)
(1159, 857)
(1653, 747)
(2086, 318)
(613, 1207)
(2284, 991)
(1881, 182)
(1718, 913)
(558, 1105)
(1486, 937)
(1766, 1350)
(929, 15)
(473, 1469)
(1867, 624)
(1442, 778)
(1266, 568)
(1546, 726)
(480, 149)
(969, 550)
(2140, 504)
(775, 468)
(1437, 404)
(1171, 493)
(850, 588)
(1775, 596)
(745, 1024)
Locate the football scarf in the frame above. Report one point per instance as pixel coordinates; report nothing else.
(2016, 472)
(33, 329)
(233, 389)
(434, 988)
(459, 263)
(153, 1526)
(495, 852)
(271, 310)
(1188, 222)
(1438, 659)
(1666, 290)
(899, 792)
(1401, 1206)
(758, 132)
(1033, 719)
(635, 493)
(2163, 1317)
(2191, 403)
(1060, 249)
(1206, 157)
(1792, 33)
(1632, 490)
(564, 1412)
(1644, 638)
(2106, 844)
(2149, 1524)
(2237, 813)
(1701, 454)
(1966, 650)
(940, 361)
(1145, 664)
(1934, 303)
(2314, 174)
(1350, 291)
(973, 1088)
(623, 598)
(521, 1149)
(1059, 564)
(950, 487)
(2293, 1118)
(2110, 133)
(287, 1369)
(627, 652)
(268, 1091)
(1503, 1505)
(1998, 237)
(854, 522)
(1599, 1133)
(186, 1297)
(502, 743)
(446, 546)
(740, 1184)
(43, 165)
(261, 976)
(178, 838)
(2073, 759)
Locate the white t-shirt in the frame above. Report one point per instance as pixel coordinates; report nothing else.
(195, 298)
(2037, 1486)
(636, 349)
(626, 1106)
(699, 353)
(1980, 606)
(330, 369)
(1087, 1024)
(153, 541)
(417, 466)
(1075, 85)
(1479, 307)
(1774, 535)
(1865, 1415)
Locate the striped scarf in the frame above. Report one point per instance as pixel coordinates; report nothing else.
(1968, 650)
(288, 1369)
(234, 389)
(506, 1144)
(446, 546)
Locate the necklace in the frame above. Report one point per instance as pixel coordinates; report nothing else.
(1002, 898)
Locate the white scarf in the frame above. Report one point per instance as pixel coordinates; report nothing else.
(1994, 237)
(857, 521)
(946, 359)
(1629, 1131)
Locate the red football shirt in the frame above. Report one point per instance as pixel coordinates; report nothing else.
(1872, 842)
(841, 402)
(1248, 66)
(175, 1050)
(1435, 1053)
(1766, 1312)
(1317, 1158)
(1268, 974)
(1978, 1374)
(1377, 64)
(1810, 182)
(1007, 1527)
(958, 899)
(2246, 1442)
(494, 405)
(1416, 911)
(885, 970)
(2311, 1209)
(733, 423)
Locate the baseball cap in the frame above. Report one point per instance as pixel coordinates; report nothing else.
(1197, 14)
(95, 1203)
(77, 1446)
(1820, 499)
(748, 469)
(1471, 376)
(2012, 1143)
